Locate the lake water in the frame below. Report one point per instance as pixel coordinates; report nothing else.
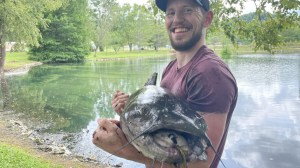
(264, 130)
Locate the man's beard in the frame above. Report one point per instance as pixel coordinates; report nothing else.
(187, 45)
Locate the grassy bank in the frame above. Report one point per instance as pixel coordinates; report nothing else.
(19, 151)
(248, 49)
(17, 60)
(127, 54)
(11, 156)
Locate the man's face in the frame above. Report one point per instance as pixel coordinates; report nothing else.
(184, 23)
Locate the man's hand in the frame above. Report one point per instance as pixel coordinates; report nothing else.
(119, 101)
(109, 137)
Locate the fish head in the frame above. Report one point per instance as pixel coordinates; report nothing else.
(163, 128)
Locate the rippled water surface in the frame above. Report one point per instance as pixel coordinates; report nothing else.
(264, 131)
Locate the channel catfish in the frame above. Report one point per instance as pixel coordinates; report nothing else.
(163, 127)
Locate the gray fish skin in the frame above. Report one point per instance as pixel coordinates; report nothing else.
(152, 80)
(163, 128)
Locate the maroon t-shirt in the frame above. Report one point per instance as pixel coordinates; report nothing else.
(207, 84)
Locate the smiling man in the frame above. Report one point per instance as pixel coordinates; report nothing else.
(197, 75)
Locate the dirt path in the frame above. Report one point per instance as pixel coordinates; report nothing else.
(12, 135)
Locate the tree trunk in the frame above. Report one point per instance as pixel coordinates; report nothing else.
(2, 54)
(3, 84)
(5, 93)
(95, 54)
(130, 47)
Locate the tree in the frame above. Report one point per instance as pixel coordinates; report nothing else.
(264, 28)
(128, 23)
(291, 34)
(158, 36)
(67, 37)
(19, 21)
(102, 17)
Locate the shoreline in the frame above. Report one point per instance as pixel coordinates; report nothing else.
(22, 70)
(16, 134)
(13, 134)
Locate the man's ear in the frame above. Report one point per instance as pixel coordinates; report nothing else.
(208, 19)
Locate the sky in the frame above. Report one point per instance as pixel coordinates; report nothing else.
(140, 2)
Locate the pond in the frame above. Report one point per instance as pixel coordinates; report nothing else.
(264, 131)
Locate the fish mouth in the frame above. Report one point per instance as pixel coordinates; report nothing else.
(172, 143)
(169, 139)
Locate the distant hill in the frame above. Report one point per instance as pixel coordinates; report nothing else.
(250, 16)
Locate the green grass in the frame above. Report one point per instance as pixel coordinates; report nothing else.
(12, 157)
(16, 60)
(248, 49)
(127, 54)
(19, 59)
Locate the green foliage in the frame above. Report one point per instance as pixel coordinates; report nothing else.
(137, 26)
(291, 34)
(19, 21)
(262, 28)
(66, 39)
(19, 47)
(13, 157)
(102, 18)
(226, 52)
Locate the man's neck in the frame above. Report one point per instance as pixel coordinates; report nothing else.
(184, 57)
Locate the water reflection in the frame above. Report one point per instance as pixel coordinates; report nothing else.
(264, 131)
(265, 127)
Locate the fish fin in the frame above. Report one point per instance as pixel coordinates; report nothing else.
(152, 80)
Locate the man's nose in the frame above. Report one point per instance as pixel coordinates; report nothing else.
(178, 17)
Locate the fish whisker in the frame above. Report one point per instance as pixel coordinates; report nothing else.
(128, 143)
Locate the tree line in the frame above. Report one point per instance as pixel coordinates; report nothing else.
(68, 30)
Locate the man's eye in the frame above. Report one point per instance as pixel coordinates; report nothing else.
(188, 10)
(171, 13)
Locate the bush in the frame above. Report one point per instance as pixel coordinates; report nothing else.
(226, 52)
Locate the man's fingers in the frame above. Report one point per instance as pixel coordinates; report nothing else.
(116, 93)
(107, 125)
(117, 122)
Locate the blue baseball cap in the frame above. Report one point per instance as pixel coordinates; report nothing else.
(162, 4)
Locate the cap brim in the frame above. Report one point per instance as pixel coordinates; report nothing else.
(161, 4)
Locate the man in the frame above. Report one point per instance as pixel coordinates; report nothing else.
(197, 75)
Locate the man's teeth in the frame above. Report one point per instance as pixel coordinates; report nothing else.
(180, 30)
